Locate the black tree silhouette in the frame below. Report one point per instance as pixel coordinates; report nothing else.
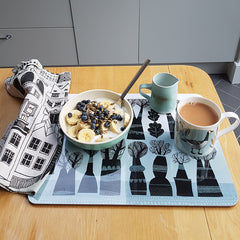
(65, 184)
(206, 181)
(159, 185)
(136, 130)
(137, 179)
(110, 182)
(183, 184)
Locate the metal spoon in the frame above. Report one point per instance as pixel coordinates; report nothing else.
(137, 75)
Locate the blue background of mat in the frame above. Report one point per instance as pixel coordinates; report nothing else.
(174, 178)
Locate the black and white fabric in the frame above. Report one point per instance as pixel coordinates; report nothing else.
(33, 142)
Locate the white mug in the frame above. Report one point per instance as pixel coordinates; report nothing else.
(196, 140)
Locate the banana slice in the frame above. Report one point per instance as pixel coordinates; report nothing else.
(114, 127)
(103, 129)
(82, 125)
(126, 119)
(73, 117)
(105, 103)
(73, 131)
(86, 135)
(108, 105)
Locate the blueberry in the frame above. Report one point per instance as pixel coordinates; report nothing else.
(107, 124)
(90, 115)
(98, 112)
(119, 117)
(113, 116)
(86, 101)
(84, 118)
(122, 128)
(100, 108)
(81, 103)
(101, 117)
(69, 115)
(93, 126)
(94, 120)
(97, 131)
(80, 107)
(105, 112)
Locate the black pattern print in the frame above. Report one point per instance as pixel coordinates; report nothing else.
(136, 130)
(89, 182)
(183, 184)
(153, 115)
(159, 185)
(155, 129)
(137, 179)
(149, 171)
(206, 180)
(65, 184)
(171, 125)
(36, 85)
(110, 182)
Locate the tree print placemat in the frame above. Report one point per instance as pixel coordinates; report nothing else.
(144, 169)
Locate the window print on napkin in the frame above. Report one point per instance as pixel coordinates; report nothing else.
(33, 142)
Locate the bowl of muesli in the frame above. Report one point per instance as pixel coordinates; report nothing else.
(93, 120)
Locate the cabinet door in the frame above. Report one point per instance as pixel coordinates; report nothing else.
(176, 31)
(51, 46)
(106, 31)
(35, 13)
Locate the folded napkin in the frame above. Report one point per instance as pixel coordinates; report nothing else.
(33, 142)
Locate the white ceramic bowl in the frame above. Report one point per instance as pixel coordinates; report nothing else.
(93, 95)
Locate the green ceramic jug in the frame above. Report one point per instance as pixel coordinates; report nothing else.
(164, 89)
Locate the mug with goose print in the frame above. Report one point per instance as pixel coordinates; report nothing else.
(197, 125)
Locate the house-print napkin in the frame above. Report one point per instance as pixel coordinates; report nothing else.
(33, 142)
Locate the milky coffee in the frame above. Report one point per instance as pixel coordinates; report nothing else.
(199, 114)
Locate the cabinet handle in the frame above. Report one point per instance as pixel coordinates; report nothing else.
(6, 37)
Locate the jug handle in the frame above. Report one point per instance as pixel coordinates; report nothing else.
(146, 86)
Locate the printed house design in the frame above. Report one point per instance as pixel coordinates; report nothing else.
(31, 147)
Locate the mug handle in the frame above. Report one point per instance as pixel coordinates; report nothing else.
(232, 126)
(146, 86)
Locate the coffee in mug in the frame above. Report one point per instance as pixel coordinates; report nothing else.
(199, 114)
(197, 125)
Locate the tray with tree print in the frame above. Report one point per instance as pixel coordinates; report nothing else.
(144, 169)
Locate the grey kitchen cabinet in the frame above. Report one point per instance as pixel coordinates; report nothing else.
(189, 31)
(106, 31)
(38, 29)
(51, 46)
(35, 13)
(102, 32)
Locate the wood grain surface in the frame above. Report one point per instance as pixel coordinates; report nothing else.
(21, 220)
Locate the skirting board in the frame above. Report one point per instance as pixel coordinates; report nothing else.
(234, 72)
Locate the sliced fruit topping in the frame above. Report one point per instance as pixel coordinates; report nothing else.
(73, 117)
(86, 135)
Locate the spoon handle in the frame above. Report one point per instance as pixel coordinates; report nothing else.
(135, 78)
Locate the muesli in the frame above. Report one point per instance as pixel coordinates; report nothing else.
(96, 121)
